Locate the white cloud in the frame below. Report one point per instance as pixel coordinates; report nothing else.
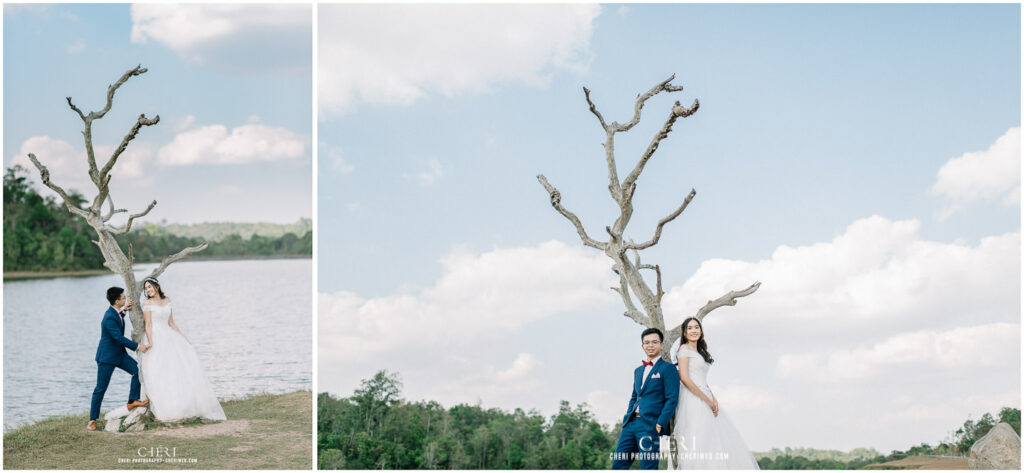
(397, 54)
(875, 315)
(606, 407)
(76, 47)
(974, 347)
(521, 368)
(479, 295)
(234, 37)
(68, 166)
(878, 270)
(475, 382)
(249, 143)
(185, 123)
(428, 176)
(982, 175)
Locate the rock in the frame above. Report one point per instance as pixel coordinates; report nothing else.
(118, 413)
(999, 449)
(113, 424)
(133, 423)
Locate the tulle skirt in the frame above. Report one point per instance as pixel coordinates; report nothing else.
(706, 442)
(174, 381)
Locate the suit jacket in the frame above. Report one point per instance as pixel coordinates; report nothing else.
(658, 397)
(112, 340)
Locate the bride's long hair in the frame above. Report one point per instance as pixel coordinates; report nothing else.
(156, 285)
(702, 346)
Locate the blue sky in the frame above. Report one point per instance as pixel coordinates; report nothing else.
(231, 84)
(862, 161)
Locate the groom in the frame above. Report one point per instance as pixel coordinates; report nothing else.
(111, 354)
(651, 407)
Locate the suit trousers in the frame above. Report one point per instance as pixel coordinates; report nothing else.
(638, 439)
(103, 373)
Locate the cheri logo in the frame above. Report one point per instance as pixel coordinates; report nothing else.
(157, 452)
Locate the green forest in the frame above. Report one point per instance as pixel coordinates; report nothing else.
(375, 428)
(40, 234)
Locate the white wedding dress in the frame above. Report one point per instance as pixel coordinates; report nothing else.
(703, 441)
(171, 374)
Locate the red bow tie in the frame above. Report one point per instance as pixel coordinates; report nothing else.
(648, 363)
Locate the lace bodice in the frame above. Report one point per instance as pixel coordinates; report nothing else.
(698, 368)
(158, 314)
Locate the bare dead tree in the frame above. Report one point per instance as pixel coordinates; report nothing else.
(631, 282)
(115, 259)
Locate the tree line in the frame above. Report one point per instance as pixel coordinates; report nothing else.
(41, 235)
(375, 428)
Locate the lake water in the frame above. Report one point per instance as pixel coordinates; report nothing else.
(250, 322)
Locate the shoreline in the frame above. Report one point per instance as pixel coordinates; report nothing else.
(24, 275)
(8, 429)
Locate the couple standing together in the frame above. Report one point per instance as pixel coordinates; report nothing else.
(172, 376)
(675, 400)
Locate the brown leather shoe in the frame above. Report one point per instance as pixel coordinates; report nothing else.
(134, 404)
(91, 426)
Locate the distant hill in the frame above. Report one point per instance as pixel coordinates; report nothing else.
(816, 454)
(216, 231)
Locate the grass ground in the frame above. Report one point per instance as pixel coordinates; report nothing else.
(262, 432)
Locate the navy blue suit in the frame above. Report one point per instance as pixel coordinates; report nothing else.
(111, 354)
(657, 401)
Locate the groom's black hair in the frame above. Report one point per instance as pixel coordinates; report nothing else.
(113, 294)
(661, 336)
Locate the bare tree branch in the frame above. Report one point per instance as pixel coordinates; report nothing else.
(647, 309)
(113, 211)
(593, 109)
(664, 86)
(657, 269)
(627, 300)
(76, 109)
(661, 292)
(142, 121)
(138, 70)
(131, 218)
(94, 174)
(177, 256)
(44, 174)
(661, 223)
(677, 112)
(728, 299)
(556, 202)
(104, 193)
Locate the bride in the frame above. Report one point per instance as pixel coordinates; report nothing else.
(171, 374)
(705, 439)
